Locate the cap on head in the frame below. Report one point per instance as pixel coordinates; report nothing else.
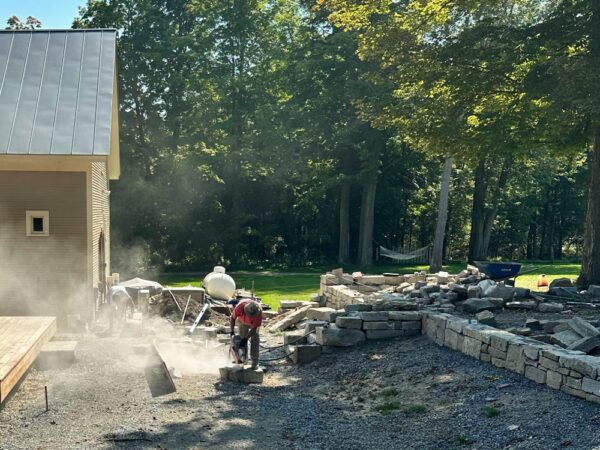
(251, 309)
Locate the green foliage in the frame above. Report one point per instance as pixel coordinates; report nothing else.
(490, 411)
(413, 409)
(387, 407)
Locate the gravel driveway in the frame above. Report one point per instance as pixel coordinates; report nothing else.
(396, 394)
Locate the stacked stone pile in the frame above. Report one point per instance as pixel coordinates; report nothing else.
(469, 291)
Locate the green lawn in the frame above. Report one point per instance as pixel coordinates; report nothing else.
(273, 287)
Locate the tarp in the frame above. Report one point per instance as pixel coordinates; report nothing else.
(139, 284)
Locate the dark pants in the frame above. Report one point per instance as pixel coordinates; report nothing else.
(251, 333)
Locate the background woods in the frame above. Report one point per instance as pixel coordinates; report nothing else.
(290, 132)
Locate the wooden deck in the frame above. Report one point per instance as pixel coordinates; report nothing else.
(21, 339)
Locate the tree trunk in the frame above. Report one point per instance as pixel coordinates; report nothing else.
(478, 214)
(590, 264)
(344, 244)
(490, 215)
(367, 218)
(437, 254)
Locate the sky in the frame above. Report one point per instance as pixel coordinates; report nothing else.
(52, 13)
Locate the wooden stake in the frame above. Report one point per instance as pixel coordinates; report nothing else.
(46, 395)
(186, 308)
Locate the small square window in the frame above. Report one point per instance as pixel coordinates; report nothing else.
(37, 223)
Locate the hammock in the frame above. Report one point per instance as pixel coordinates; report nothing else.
(396, 256)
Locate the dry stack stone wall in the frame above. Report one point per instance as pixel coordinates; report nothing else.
(570, 371)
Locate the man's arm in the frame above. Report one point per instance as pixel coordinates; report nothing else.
(232, 325)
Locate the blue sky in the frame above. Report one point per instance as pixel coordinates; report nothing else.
(52, 13)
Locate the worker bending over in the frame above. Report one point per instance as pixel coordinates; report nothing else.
(248, 315)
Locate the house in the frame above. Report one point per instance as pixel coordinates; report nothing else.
(59, 147)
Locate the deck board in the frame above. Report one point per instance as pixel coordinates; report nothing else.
(21, 339)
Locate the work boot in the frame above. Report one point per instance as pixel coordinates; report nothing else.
(254, 364)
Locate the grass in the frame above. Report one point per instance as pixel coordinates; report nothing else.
(273, 287)
(414, 409)
(387, 407)
(490, 411)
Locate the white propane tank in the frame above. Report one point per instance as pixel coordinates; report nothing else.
(218, 284)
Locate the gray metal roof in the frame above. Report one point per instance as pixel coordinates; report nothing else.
(56, 91)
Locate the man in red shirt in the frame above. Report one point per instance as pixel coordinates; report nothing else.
(248, 315)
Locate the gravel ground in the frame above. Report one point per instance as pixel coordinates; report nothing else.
(436, 399)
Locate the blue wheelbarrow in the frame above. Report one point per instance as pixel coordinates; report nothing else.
(499, 271)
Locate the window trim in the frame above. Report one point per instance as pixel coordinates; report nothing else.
(37, 214)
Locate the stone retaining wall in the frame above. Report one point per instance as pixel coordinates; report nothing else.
(570, 371)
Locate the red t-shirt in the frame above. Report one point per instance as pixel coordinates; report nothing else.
(239, 313)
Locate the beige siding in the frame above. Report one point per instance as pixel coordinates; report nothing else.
(100, 218)
(44, 275)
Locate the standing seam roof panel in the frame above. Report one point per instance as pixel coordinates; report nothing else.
(56, 91)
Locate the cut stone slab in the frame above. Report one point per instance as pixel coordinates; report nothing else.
(374, 316)
(586, 344)
(339, 337)
(502, 291)
(521, 305)
(565, 338)
(323, 314)
(551, 307)
(474, 292)
(241, 374)
(56, 355)
(405, 315)
(357, 307)
(311, 325)
(560, 282)
(594, 290)
(475, 305)
(487, 318)
(533, 324)
(583, 327)
(349, 322)
(290, 319)
(303, 354)
(388, 325)
(292, 337)
(385, 334)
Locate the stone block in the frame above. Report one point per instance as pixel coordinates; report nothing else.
(349, 322)
(475, 305)
(357, 307)
(294, 337)
(583, 327)
(550, 307)
(378, 325)
(495, 353)
(531, 352)
(500, 290)
(574, 383)
(553, 379)
(339, 337)
(451, 339)
(241, 374)
(289, 320)
(548, 363)
(456, 325)
(527, 305)
(485, 357)
(486, 317)
(535, 374)
(409, 325)
(571, 391)
(594, 290)
(586, 344)
(303, 354)
(288, 304)
(322, 314)
(405, 315)
(500, 341)
(586, 365)
(471, 347)
(311, 325)
(374, 316)
(515, 359)
(590, 386)
(56, 355)
(565, 338)
(499, 362)
(474, 292)
(384, 334)
(479, 332)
